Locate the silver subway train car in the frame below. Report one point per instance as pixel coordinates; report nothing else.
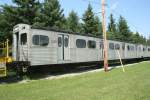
(41, 46)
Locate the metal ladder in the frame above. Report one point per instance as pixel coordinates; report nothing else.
(4, 59)
(3, 68)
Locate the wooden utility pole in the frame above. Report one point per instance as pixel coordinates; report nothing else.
(104, 37)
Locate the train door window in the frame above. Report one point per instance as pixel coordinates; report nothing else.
(59, 41)
(111, 46)
(44, 40)
(91, 44)
(80, 43)
(101, 45)
(117, 46)
(66, 42)
(23, 38)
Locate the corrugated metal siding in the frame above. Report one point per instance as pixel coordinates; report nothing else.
(23, 52)
(40, 56)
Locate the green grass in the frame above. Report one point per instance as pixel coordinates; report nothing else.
(134, 84)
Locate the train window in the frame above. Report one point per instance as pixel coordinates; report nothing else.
(23, 38)
(44, 40)
(132, 48)
(117, 46)
(91, 44)
(80, 43)
(36, 40)
(111, 46)
(59, 41)
(66, 42)
(149, 49)
(140, 49)
(40, 40)
(128, 47)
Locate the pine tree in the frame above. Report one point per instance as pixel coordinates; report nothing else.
(112, 31)
(73, 22)
(123, 30)
(98, 27)
(52, 14)
(24, 11)
(136, 38)
(89, 21)
(2, 27)
(142, 39)
(27, 11)
(112, 24)
(7, 21)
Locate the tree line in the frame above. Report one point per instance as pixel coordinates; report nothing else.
(50, 14)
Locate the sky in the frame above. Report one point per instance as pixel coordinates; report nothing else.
(136, 12)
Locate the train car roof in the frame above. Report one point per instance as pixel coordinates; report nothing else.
(69, 32)
(64, 31)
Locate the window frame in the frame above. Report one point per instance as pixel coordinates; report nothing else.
(128, 48)
(44, 41)
(79, 46)
(144, 49)
(148, 49)
(60, 42)
(101, 45)
(66, 44)
(110, 46)
(89, 44)
(117, 46)
(40, 40)
(23, 38)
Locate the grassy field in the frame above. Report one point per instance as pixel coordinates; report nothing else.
(134, 84)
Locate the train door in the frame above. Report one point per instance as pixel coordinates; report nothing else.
(63, 48)
(123, 50)
(23, 47)
(20, 46)
(66, 48)
(16, 52)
